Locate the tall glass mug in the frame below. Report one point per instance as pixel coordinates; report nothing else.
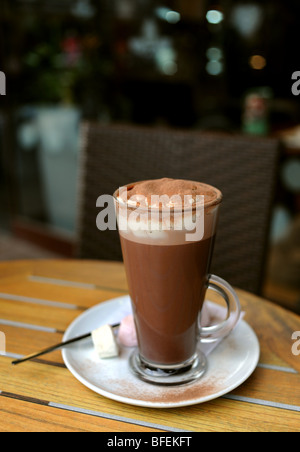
(167, 229)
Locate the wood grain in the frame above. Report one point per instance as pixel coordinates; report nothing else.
(29, 416)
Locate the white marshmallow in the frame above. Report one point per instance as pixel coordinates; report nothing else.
(105, 342)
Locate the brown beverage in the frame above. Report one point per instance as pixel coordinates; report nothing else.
(168, 275)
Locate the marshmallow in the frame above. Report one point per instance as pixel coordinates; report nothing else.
(127, 332)
(105, 342)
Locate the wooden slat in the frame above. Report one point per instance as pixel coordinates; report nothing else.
(84, 297)
(24, 341)
(27, 416)
(273, 386)
(14, 268)
(37, 314)
(109, 274)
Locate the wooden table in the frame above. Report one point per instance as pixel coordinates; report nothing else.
(38, 301)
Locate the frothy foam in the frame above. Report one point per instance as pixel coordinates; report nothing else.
(171, 193)
(167, 211)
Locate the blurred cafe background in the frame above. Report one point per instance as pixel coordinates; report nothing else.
(220, 66)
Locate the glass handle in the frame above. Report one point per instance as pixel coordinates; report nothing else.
(214, 332)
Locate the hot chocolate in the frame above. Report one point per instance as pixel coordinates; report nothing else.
(167, 275)
(167, 286)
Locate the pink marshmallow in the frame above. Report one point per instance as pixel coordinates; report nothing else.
(127, 332)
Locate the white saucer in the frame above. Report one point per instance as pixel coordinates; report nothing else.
(229, 365)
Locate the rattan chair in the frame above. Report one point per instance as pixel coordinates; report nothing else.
(242, 167)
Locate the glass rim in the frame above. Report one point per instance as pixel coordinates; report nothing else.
(214, 202)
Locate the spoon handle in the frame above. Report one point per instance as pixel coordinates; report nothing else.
(55, 347)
